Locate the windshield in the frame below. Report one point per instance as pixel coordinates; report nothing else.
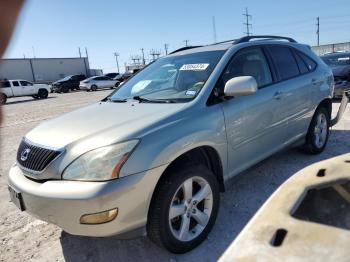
(337, 60)
(66, 78)
(173, 78)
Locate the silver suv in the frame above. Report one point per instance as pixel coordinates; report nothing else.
(155, 154)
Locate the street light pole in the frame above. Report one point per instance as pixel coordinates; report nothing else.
(116, 59)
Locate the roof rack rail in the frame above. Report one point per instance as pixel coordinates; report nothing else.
(248, 38)
(184, 48)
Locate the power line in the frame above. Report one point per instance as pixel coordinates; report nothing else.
(248, 18)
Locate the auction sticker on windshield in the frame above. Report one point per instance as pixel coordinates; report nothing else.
(194, 67)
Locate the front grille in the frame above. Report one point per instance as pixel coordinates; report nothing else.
(33, 157)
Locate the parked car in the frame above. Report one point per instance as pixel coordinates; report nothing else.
(112, 75)
(340, 65)
(67, 84)
(19, 87)
(156, 153)
(98, 82)
(124, 77)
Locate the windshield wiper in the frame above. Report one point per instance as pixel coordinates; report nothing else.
(141, 99)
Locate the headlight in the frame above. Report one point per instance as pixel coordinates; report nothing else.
(100, 164)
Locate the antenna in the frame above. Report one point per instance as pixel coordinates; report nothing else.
(248, 18)
(186, 42)
(214, 30)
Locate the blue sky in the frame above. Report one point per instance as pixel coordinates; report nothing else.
(58, 28)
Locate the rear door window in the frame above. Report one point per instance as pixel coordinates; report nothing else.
(15, 83)
(284, 61)
(301, 64)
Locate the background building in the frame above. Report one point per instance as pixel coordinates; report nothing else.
(43, 70)
(330, 48)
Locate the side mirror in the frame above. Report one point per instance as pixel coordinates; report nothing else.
(240, 86)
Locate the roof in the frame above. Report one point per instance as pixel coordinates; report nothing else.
(227, 44)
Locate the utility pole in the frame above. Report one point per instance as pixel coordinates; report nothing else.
(24, 56)
(318, 30)
(88, 63)
(214, 29)
(155, 54)
(116, 59)
(248, 18)
(79, 52)
(186, 42)
(143, 56)
(86, 53)
(166, 48)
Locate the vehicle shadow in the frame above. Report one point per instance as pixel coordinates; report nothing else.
(27, 100)
(243, 197)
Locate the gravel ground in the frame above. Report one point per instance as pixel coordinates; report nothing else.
(24, 238)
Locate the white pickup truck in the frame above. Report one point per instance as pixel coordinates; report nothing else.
(19, 87)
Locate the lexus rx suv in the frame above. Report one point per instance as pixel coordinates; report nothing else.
(154, 155)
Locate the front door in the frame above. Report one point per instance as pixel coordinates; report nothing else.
(253, 124)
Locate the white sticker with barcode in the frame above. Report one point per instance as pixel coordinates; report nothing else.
(194, 67)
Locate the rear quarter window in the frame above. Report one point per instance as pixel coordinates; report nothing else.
(311, 64)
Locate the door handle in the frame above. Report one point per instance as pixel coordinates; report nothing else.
(277, 95)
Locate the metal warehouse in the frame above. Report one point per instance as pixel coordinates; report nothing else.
(41, 70)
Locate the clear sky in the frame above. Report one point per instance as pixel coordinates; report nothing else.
(58, 28)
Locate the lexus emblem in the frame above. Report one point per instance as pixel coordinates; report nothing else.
(25, 154)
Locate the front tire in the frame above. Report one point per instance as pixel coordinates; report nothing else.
(183, 209)
(317, 136)
(43, 94)
(93, 88)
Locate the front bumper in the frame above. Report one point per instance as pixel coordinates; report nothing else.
(84, 87)
(63, 202)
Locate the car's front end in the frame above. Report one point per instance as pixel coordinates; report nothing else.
(95, 171)
(86, 84)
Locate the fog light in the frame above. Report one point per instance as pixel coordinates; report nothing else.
(100, 217)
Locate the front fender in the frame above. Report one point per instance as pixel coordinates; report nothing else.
(204, 127)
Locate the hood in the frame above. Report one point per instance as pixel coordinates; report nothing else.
(103, 123)
(342, 70)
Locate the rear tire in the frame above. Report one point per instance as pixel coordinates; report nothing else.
(180, 217)
(93, 88)
(43, 94)
(317, 136)
(3, 99)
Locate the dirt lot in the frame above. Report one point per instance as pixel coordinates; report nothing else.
(24, 238)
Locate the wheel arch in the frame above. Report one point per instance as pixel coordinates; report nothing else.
(206, 155)
(327, 104)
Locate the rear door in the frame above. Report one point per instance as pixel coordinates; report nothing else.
(253, 123)
(295, 89)
(17, 89)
